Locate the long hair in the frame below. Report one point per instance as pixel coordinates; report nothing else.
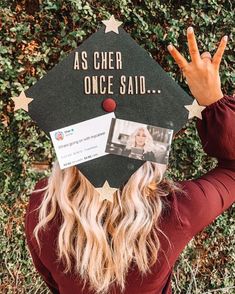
(102, 238)
(149, 144)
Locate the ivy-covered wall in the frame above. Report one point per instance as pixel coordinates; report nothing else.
(34, 36)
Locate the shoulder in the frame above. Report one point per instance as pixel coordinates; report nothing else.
(177, 205)
(190, 204)
(35, 199)
(37, 193)
(179, 200)
(41, 184)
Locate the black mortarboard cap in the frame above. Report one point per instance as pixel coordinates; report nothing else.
(142, 90)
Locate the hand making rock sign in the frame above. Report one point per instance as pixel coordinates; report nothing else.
(202, 73)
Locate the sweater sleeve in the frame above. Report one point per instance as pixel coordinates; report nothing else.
(211, 194)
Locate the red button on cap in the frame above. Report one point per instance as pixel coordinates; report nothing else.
(109, 104)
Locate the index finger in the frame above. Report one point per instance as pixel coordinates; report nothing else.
(192, 46)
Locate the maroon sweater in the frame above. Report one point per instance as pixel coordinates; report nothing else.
(208, 197)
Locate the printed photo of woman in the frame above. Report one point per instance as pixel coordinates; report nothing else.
(140, 145)
(139, 141)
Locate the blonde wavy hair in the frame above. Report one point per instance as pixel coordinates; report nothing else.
(149, 144)
(102, 238)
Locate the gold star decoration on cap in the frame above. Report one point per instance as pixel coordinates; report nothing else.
(22, 102)
(194, 109)
(106, 192)
(112, 25)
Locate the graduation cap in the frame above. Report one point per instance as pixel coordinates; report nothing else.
(108, 78)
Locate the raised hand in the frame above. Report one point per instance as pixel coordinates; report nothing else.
(202, 73)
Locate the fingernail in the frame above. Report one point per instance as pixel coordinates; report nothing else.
(225, 38)
(190, 29)
(170, 47)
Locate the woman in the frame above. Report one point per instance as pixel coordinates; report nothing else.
(132, 243)
(140, 145)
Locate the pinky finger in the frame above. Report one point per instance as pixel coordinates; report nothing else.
(179, 59)
(219, 53)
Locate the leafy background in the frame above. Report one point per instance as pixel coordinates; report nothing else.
(35, 36)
